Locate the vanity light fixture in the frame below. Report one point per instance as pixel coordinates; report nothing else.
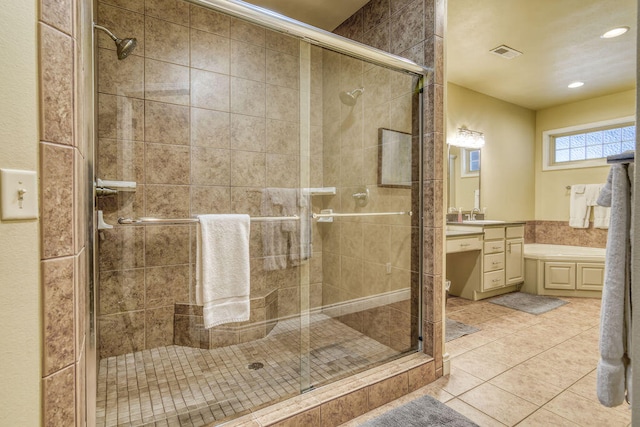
(468, 138)
(575, 85)
(615, 32)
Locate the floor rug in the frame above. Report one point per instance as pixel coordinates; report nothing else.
(455, 329)
(533, 304)
(424, 411)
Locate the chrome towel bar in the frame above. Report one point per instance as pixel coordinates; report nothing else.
(165, 221)
(331, 215)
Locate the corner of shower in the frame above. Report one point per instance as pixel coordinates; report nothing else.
(320, 146)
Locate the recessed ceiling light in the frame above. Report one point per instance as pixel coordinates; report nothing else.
(615, 32)
(575, 85)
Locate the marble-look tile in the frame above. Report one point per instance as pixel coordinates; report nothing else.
(167, 201)
(345, 408)
(288, 301)
(310, 418)
(422, 376)
(159, 327)
(473, 414)
(585, 412)
(526, 387)
(166, 82)
(120, 290)
(209, 200)
(387, 390)
(210, 166)
(248, 133)
(165, 41)
(167, 245)
(246, 200)
(375, 12)
(56, 86)
(247, 32)
(499, 404)
(247, 61)
(248, 97)
(353, 27)
(166, 164)
(112, 329)
(282, 43)
(123, 23)
(210, 52)
(542, 417)
(210, 128)
(166, 123)
(248, 169)
(81, 302)
(282, 137)
(283, 103)
(120, 160)
(376, 242)
(59, 392)
(162, 282)
(120, 117)
(282, 170)
(209, 90)
(57, 210)
(407, 28)
(58, 314)
(132, 5)
(124, 78)
(283, 69)
(121, 248)
(58, 13)
(176, 11)
(208, 20)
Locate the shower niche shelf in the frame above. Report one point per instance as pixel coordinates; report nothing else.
(321, 191)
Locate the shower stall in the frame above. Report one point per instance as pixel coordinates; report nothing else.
(219, 107)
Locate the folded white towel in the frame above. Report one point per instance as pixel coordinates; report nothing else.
(222, 268)
(578, 208)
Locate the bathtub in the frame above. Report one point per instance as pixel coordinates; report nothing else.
(560, 270)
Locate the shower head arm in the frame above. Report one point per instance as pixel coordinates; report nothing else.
(100, 27)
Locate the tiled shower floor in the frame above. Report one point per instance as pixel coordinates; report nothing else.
(183, 386)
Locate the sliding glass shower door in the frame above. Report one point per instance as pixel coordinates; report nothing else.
(212, 114)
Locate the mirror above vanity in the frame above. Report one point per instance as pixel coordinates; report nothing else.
(464, 165)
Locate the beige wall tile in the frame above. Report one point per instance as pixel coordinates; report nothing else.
(209, 90)
(159, 327)
(387, 390)
(166, 123)
(59, 398)
(120, 117)
(124, 78)
(210, 21)
(247, 133)
(247, 97)
(210, 128)
(56, 86)
(248, 169)
(210, 52)
(160, 283)
(121, 248)
(58, 315)
(283, 103)
(282, 171)
(283, 137)
(210, 166)
(166, 201)
(59, 14)
(120, 333)
(283, 43)
(166, 82)
(133, 5)
(246, 200)
(123, 23)
(120, 160)
(165, 41)
(247, 32)
(176, 11)
(247, 61)
(283, 69)
(166, 164)
(81, 303)
(120, 290)
(205, 200)
(166, 245)
(343, 409)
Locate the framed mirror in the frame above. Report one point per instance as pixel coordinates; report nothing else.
(394, 158)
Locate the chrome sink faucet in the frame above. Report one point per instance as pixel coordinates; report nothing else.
(472, 215)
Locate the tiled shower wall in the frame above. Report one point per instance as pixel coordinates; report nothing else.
(202, 116)
(63, 184)
(415, 30)
(366, 257)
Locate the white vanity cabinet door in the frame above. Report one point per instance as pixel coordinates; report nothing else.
(514, 261)
(589, 276)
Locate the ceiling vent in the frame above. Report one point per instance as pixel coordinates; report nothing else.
(505, 52)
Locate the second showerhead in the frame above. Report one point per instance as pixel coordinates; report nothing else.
(350, 98)
(123, 46)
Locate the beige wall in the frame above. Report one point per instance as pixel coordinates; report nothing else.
(507, 173)
(552, 197)
(19, 253)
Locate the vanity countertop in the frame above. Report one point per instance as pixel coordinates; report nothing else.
(457, 233)
(481, 223)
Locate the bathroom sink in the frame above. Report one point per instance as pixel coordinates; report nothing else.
(483, 221)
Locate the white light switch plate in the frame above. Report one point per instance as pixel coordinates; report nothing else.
(14, 185)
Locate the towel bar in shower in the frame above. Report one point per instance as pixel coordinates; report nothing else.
(332, 214)
(165, 221)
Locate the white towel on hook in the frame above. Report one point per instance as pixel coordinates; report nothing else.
(222, 268)
(578, 208)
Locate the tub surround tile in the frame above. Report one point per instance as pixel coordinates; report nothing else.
(59, 394)
(247, 32)
(248, 133)
(285, 44)
(248, 61)
(210, 166)
(56, 86)
(166, 245)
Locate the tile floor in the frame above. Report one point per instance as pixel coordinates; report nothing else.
(183, 386)
(522, 369)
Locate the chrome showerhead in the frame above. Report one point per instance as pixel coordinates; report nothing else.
(123, 46)
(350, 98)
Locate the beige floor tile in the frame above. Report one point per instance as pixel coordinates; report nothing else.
(542, 417)
(584, 412)
(473, 363)
(457, 382)
(549, 374)
(473, 414)
(505, 407)
(527, 387)
(586, 387)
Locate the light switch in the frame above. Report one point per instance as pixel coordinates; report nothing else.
(19, 190)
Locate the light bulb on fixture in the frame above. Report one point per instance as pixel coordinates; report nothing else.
(615, 32)
(575, 85)
(468, 138)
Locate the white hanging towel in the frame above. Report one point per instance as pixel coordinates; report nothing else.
(222, 268)
(578, 209)
(614, 366)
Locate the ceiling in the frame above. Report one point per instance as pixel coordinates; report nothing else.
(560, 41)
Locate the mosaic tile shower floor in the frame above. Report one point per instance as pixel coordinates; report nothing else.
(183, 386)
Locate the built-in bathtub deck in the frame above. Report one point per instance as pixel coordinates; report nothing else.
(562, 270)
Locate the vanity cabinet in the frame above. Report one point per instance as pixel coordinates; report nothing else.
(489, 263)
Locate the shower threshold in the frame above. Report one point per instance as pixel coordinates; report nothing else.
(184, 386)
